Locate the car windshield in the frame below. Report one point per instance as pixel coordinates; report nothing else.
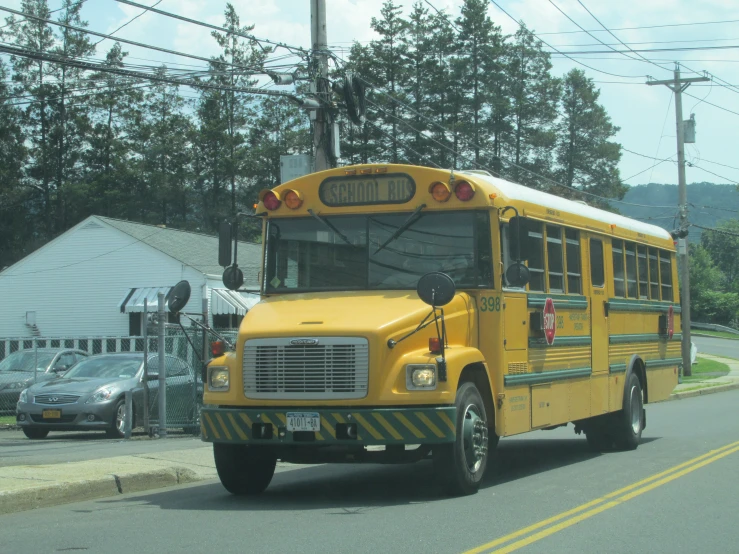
(121, 367)
(24, 361)
(380, 251)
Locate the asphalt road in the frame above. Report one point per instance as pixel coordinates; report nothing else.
(549, 494)
(717, 347)
(58, 447)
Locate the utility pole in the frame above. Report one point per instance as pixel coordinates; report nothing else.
(321, 121)
(678, 85)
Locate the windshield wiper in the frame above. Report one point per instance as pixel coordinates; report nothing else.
(331, 227)
(402, 229)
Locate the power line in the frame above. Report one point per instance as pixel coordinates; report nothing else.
(645, 170)
(734, 181)
(450, 149)
(649, 26)
(644, 41)
(614, 36)
(130, 21)
(405, 146)
(256, 70)
(563, 53)
(712, 104)
(139, 75)
(715, 208)
(216, 27)
(592, 35)
(721, 231)
(635, 50)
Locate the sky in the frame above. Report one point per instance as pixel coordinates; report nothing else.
(645, 114)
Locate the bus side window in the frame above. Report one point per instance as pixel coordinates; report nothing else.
(597, 274)
(631, 269)
(641, 253)
(619, 289)
(572, 254)
(536, 256)
(653, 275)
(665, 264)
(555, 264)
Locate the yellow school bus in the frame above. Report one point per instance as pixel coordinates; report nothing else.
(543, 312)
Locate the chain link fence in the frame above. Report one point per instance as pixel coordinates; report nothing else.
(28, 361)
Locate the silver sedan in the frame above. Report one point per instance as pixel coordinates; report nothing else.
(91, 396)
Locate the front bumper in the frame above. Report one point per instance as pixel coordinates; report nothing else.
(374, 426)
(73, 416)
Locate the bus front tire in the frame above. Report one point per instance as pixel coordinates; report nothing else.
(629, 422)
(244, 470)
(460, 466)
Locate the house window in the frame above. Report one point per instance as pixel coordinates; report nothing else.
(134, 324)
(227, 321)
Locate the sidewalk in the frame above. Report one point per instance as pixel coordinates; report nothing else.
(26, 487)
(709, 386)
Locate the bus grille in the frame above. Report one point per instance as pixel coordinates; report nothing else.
(294, 369)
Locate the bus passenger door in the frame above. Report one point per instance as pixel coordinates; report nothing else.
(598, 327)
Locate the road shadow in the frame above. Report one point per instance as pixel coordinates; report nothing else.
(351, 489)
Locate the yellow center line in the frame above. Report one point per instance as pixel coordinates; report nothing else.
(727, 449)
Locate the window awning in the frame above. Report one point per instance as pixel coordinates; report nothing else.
(224, 301)
(133, 302)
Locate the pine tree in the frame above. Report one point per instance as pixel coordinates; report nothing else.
(222, 119)
(108, 187)
(34, 80)
(588, 159)
(389, 53)
(70, 122)
(13, 196)
(418, 59)
(445, 92)
(534, 97)
(480, 46)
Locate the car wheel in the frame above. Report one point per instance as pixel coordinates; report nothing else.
(35, 432)
(244, 470)
(117, 426)
(460, 466)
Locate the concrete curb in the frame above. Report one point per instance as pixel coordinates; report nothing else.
(109, 486)
(702, 391)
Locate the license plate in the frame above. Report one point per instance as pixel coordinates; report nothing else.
(303, 421)
(52, 414)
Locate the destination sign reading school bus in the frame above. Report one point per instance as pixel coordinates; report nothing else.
(363, 190)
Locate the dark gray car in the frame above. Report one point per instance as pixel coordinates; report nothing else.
(90, 396)
(17, 371)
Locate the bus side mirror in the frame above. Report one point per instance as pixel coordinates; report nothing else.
(225, 247)
(518, 238)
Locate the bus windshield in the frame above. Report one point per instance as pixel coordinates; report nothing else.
(377, 251)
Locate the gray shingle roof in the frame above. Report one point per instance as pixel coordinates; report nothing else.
(196, 250)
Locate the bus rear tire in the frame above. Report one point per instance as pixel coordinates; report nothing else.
(460, 466)
(629, 422)
(244, 470)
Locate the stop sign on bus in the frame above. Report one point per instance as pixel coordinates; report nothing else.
(550, 321)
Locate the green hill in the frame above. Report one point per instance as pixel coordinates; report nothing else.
(658, 205)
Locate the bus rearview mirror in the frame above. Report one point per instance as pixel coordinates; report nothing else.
(224, 244)
(518, 238)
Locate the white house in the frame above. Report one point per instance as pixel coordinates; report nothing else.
(93, 279)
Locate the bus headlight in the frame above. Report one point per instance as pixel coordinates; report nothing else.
(218, 379)
(420, 376)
